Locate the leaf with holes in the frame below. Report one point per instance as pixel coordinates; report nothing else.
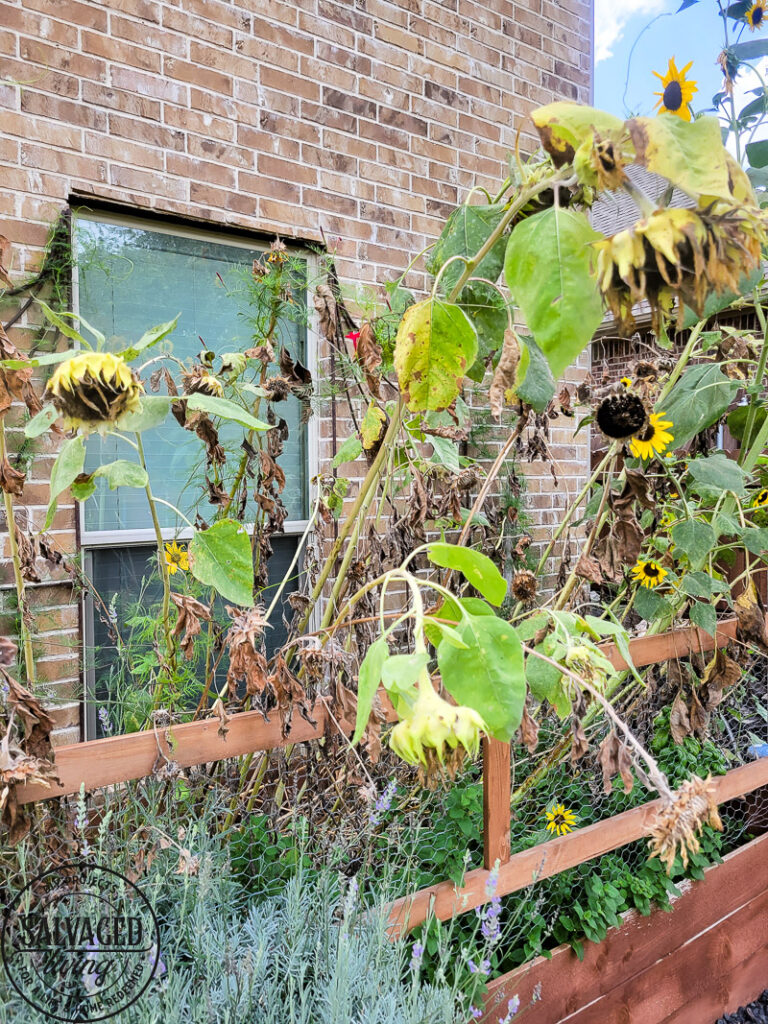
(466, 231)
(221, 557)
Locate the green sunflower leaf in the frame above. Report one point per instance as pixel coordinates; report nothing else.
(67, 467)
(466, 231)
(149, 338)
(477, 569)
(40, 423)
(221, 557)
(486, 309)
(694, 538)
(368, 681)
(718, 473)
(649, 605)
(226, 410)
(699, 399)
(752, 49)
(704, 615)
(349, 451)
(152, 412)
(537, 385)
(488, 674)
(548, 269)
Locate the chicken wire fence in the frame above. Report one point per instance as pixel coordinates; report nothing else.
(236, 833)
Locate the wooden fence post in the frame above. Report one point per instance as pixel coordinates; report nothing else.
(497, 793)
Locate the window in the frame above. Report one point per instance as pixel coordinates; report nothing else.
(131, 276)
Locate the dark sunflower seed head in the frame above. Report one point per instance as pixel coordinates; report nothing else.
(622, 416)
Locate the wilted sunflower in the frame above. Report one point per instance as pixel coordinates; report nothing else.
(621, 416)
(94, 389)
(648, 574)
(677, 91)
(560, 820)
(755, 16)
(524, 586)
(760, 499)
(198, 381)
(176, 558)
(653, 439)
(681, 819)
(677, 254)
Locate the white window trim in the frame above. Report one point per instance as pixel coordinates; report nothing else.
(92, 539)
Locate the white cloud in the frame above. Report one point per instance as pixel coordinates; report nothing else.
(611, 17)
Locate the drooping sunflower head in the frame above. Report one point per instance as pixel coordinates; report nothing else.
(681, 819)
(560, 820)
(755, 16)
(93, 390)
(678, 254)
(198, 381)
(648, 574)
(437, 735)
(621, 416)
(677, 91)
(653, 439)
(176, 557)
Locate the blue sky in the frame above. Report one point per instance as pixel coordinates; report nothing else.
(694, 34)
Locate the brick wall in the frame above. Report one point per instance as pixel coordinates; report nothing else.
(367, 119)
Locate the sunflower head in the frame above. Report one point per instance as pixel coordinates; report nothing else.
(626, 381)
(681, 819)
(93, 390)
(176, 557)
(599, 162)
(621, 416)
(677, 91)
(524, 586)
(755, 16)
(648, 574)
(760, 500)
(653, 439)
(198, 381)
(560, 820)
(436, 735)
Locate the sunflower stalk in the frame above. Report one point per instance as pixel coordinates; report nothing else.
(18, 578)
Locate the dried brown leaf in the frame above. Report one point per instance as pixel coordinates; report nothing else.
(589, 569)
(5, 262)
(325, 304)
(505, 373)
(679, 720)
(751, 617)
(528, 733)
(720, 674)
(579, 744)
(191, 612)
(11, 480)
(368, 354)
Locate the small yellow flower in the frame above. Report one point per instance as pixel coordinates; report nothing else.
(626, 381)
(654, 439)
(755, 16)
(176, 558)
(677, 90)
(648, 574)
(761, 498)
(560, 821)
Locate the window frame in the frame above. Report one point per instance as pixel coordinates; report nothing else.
(90, 540)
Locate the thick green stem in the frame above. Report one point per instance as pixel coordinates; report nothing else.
(24, 634)
(759, 376)
(682, 362)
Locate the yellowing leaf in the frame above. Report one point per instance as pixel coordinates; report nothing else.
(435, 345)
(690, 154)
(372, 426)
(564, 126)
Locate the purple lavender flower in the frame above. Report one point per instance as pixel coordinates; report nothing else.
(383, 803)
(156, 960)
(475, 1012)
(416, 954)
(106, 725)
(483, 968)
(489, 917)
(512, 1007)
(492, 881)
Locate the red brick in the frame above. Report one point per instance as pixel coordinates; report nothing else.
(152, 36)
(125, 100)
(59, 109)
(292, 85)
(144, 10)
(157, 185)
(146, 134)
(50, 29)
(153, 85)
(34, 51)
(295, 172)
(121, 52)
(203, 78)
(84, 15)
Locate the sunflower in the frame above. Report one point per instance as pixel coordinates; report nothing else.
(626, 381)
(93, 389)
(176, 558)
(760, 499)
(648, 574)
(559, 820)
(677, 91)
(654, 439)
(755, 15)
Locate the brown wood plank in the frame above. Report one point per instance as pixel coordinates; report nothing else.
(445, 899)
(699, 971)
(677, 643)
(741, 984)
(497, 791)
(635, 946)
(120, 758)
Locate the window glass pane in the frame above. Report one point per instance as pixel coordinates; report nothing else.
(124, 579)
(131, 278)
